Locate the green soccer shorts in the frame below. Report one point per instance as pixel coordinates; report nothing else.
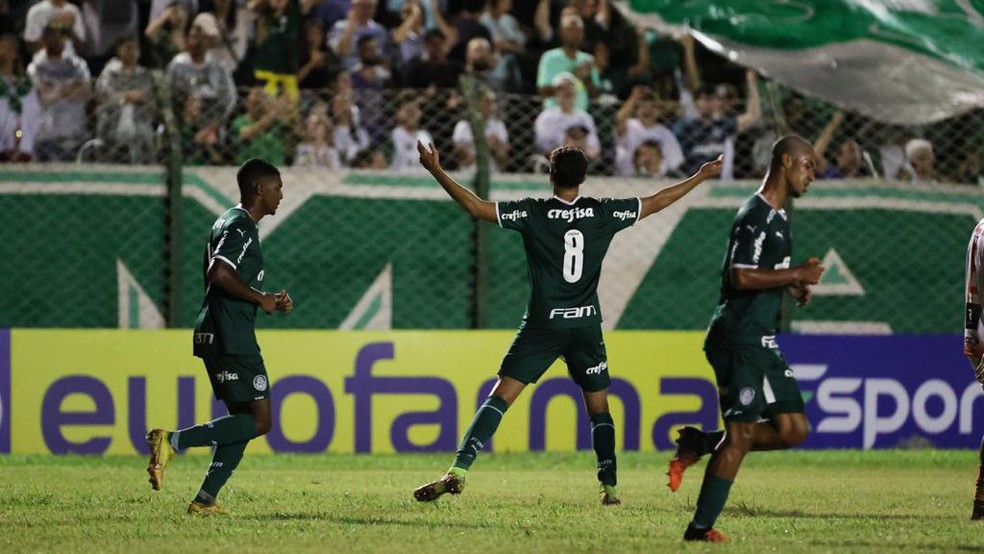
(754, 382)
(238, 378)
(582, 348)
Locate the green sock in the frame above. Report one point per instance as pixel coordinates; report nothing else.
(603, 440)
(710, 503)
(224, 461)
(228, 429)
(482, 428)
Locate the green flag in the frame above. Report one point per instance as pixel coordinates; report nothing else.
(898, 61)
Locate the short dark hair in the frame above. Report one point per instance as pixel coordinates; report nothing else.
(252, 171)
(568, 166)
(791, 145)
(706, 90)
(434, 33)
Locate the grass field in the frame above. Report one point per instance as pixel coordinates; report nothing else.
(906, 500)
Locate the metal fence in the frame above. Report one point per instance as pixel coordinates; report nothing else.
(364, 239)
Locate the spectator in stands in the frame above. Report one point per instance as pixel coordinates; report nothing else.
(19, 108)
(848, 162)
(193, 73)
(483, 65)
(60, 14)
(329, 12)
(433, 68)
(348, 135)
(495, 135)
(199, 142)
(432, 11)
(259, 133)
(405, 136)
(919, 163)
(317, 149)
(369, 78)
(343, 38)
(318, 66)
(613, 41)
(636, 122)
(62, 82)
(234, 26)
(648, 161)
(276, 57)
(705, 137)
(126, 107)
(508, 40)
(466, 27)
(408, 37)
(568, 58)
(166, 34)
(552, 124)
(970, 170)
(107, 22)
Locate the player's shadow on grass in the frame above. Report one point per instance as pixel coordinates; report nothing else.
(355, 520)
(742, 509)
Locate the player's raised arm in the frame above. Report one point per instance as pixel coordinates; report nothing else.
(668, 195)
(475, 206)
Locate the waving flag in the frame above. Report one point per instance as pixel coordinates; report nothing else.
(898, 61)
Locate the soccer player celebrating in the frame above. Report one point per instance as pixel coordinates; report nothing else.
(566, 238)
(973, 331)
(760, 401)
(225, 338)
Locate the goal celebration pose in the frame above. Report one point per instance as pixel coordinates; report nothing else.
(565, 238)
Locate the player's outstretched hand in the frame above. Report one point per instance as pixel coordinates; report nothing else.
(712, 168)
(809, 272)
(801, 293)
(429, 157)
(284, 302)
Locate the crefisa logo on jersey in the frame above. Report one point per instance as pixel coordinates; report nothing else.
(596, 370)
(513, 215)
(571, 214)
(624, 215)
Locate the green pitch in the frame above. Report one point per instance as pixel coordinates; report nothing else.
(782, 502)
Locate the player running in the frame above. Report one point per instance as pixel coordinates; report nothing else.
(565, 238)
(225, 338)
(761, 402)
(973, 331)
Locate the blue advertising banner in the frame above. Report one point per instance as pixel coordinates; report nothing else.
(886, 391)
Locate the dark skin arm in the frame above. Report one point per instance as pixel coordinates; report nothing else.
(795, 279)
(475, 206)
(223, 276)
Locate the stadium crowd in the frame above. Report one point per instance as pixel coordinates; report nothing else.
(354, 84)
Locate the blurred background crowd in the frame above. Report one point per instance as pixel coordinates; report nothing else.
(355, 83)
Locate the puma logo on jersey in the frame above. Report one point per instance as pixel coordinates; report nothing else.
(571, 214)
(514, 215)
(573, 313)
(624, 215)
(241, 232)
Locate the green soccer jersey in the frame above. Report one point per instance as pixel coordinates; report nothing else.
(760, 239)
(565, 244)
(226, 324)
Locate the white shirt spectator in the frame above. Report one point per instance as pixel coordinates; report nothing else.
(405, 155)
(635, 134)
(552, 123)
(463, 136)
(43, 12)
(309, 154)
(25, 120)
(63, 117)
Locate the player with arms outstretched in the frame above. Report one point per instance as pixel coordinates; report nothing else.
(761, 402)
(225, 338)
(565, 238)
(973, 332)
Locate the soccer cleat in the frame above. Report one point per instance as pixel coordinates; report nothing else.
(202, 509)
(978, 513)
(452, 483)
(608, 495)
(688, 453)
(160, 454)
(704, 535)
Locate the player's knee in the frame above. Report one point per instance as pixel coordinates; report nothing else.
(794, 435)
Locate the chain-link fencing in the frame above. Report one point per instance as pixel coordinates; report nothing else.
(365, 239)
